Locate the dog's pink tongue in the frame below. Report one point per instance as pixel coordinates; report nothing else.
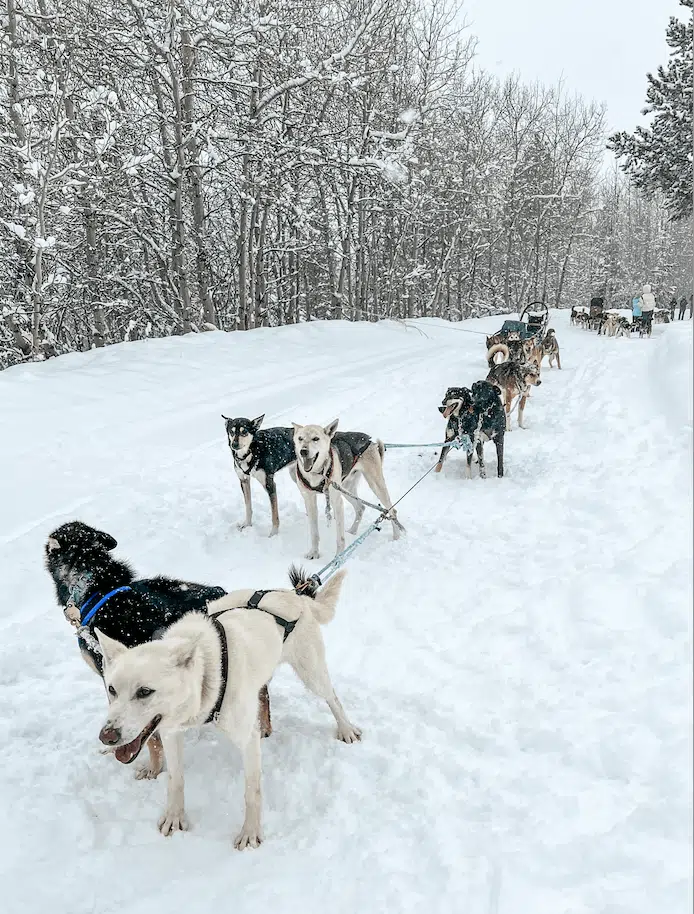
(125, 754)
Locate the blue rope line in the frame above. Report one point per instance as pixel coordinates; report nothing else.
(329, 570)
(463, 441)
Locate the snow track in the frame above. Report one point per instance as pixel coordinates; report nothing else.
(519, 662)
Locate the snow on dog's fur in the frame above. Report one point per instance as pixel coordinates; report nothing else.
(173, 684)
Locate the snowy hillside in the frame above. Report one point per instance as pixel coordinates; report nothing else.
(519, 662)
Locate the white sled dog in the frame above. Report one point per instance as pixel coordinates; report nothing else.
(210, 669)
(326, 456)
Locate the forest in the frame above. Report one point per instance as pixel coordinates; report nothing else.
(169, 166)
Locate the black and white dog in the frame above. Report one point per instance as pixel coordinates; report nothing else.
(95, 590)
(260, 453)
(479, 414)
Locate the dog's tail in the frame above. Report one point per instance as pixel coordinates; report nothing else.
(381, 448)
(493, 350)
(324, 598)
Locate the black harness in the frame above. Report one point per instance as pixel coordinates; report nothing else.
(252, 603)
(320, 489)
(251, 466)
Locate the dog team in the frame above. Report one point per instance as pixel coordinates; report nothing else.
(483, 412)
(171, 653)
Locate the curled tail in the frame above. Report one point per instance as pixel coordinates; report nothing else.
(381, 448)
(493, 350)
(324, 598)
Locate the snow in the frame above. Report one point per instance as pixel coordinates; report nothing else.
(520, 662)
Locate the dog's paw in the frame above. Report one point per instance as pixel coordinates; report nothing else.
(265, 732)
(274, 532)
(249, 837)
(312, 554)
(243, 525)
(172, 822)
(353, 529)
(147, 772)
(439, 467)
(350, 734)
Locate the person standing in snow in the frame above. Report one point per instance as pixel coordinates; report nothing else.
(647, 308)
(683, 308)
(636, 307)
(673, 307)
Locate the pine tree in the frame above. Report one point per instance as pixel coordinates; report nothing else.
(659, 157)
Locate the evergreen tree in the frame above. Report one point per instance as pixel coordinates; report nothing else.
(659, 157)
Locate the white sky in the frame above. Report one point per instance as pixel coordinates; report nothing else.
(602, 48)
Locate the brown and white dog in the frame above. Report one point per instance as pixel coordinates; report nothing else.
(550, 348)
(326, 456)
(514, 380)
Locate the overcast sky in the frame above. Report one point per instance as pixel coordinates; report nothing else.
(602, 48)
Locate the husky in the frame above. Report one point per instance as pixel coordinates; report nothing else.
(513, 349)
(479, 414)
(259, 453)
(209, 669)
(514, 379)
(550, 348)
(93, 588)
(457, 400)
(326, 456)
(623, 328)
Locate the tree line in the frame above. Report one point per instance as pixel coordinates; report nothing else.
(169, 166)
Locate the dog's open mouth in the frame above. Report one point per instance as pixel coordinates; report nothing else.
(309, 462)
(128, 753)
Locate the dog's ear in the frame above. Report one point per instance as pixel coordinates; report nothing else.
(226, 418)
(331, 429)
(184, 652)
(110, 648)
(296, 427)
(105, 540)
(256, 423)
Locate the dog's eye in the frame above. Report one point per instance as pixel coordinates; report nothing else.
(144, 692)
(314, 439)
(111, 691)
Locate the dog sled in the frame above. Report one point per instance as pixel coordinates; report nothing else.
(532, 322)
(535, 316)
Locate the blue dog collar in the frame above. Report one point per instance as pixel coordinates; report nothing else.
(88, 612)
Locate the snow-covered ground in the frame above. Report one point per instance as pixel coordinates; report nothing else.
(519, 662)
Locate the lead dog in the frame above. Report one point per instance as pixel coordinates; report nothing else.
(259, 454)
(209, 669)
(326, 456)
(93, 588)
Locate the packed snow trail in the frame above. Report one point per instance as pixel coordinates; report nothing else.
(519, 662)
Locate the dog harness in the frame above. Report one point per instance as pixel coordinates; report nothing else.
(88, 611)
(252, 603)
(320, 488)
(251, 466)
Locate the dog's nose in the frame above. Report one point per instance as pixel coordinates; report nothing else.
(303, 452)
(109, 736)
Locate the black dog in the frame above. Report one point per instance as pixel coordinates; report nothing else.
(489, 421)
(260, 453)
(457, 401)
(479, 414)
(97, 591)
